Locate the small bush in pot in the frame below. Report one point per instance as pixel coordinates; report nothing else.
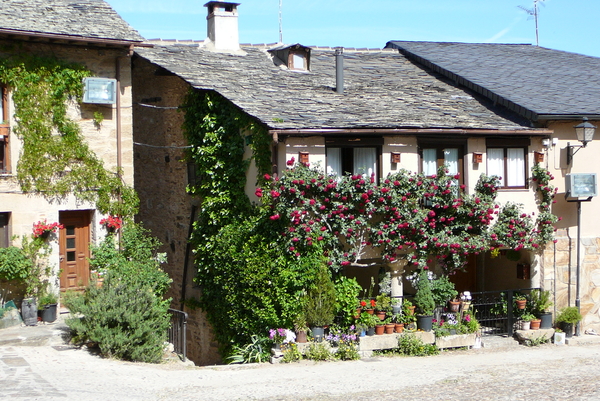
(569, 315)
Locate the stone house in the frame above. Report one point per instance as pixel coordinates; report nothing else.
(553, 90)
(350, 110)
(91, 34)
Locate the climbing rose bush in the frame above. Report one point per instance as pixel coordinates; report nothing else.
(406, 216)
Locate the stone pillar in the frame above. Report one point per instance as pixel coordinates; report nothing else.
(396, 272)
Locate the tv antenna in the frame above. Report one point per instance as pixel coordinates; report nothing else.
(280, 24)
(534, 12)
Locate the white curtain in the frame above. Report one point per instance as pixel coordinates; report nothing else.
(365, 161)
(495, 163)
(451, 160)
(334, 161)
(515, 169)
(429, 161)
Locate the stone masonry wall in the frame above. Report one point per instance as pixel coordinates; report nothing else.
(25, 209)
(161, 179)
(560, 275)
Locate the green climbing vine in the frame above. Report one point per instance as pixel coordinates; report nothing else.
(55, 160)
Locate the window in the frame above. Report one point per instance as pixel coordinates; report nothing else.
(4, 234)
(354, 156)
(4, 131)
(507, 160)
(435, 155)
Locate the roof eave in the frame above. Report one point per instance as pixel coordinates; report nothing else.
(75, 38)
(411, 131)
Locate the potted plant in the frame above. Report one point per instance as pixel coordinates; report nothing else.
(277, 336)
(396, 305)
(320, 303)
(47, 305)
(443, 292)
(559, 337)
(540, 305)
(407, 307)
(384, 305)
(361, 327)
(520, 301)
(526, 319)
(567, 318)
(424, 301)
(389, 325)
(399, 323)
(301, 327)
(370, 321)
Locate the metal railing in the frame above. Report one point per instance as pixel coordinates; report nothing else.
(495, 310)
(177, 332)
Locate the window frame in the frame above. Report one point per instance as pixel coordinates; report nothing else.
(4, 132)
(505, 144)
(349, 144)
(5, 229)
(440, 145)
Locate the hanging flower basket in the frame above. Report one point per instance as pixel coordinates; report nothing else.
(43, 229)
(112, 224)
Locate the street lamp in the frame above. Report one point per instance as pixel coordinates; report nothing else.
(585, 133)
(580, 185)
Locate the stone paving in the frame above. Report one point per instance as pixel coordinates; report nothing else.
(32, 368)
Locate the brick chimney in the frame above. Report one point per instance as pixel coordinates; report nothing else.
(222, 26)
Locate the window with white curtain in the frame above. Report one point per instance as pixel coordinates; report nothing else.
(435, 156)
(360, 160)
(509, 164)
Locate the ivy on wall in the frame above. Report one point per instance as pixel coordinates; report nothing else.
(214, 127)
(55, 160)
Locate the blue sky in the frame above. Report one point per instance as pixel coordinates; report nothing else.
(570, 25)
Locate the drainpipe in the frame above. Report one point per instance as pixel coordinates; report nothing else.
(118, 105)
(339, 69)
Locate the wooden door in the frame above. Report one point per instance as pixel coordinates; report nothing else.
(467, 280)
(74, 241)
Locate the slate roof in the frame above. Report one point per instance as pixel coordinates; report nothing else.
(382, 89)
(73, 19)
(537, 82)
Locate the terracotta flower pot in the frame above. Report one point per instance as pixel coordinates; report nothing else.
(301, 337)
(379, 329)
(381, 314)
(521, 303)
(399, 327)
(454, 306)
(411, 310)
(370, 311)
(535, 324)
(389, 328)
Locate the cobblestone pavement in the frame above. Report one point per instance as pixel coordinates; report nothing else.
(548, 372)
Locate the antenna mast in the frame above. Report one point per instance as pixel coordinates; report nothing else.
(534, 13)
(280, 25)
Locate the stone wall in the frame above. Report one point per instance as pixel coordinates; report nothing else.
(161, 180)
(26, 209)
(560, 275)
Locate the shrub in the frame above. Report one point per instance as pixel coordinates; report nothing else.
(127, 316)
(14, 264)
(318, 352)
(124, 317)
(290, 353)
(410, 345)
(257, 351)
(570, 314)
(347, 352)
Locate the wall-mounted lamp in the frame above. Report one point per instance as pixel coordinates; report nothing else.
(395, 157)
(477, 157)
(585, 133)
